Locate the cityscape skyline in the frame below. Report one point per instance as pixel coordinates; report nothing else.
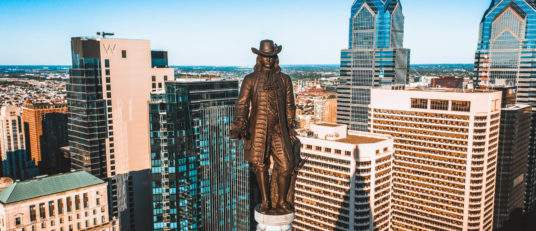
(125, 140)
(174, 26)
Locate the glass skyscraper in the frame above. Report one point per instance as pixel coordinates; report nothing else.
(199, 176)
(506, 56)
(375, 57)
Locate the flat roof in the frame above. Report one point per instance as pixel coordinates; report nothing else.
(328, 124)
(356, 139)
(429, 89)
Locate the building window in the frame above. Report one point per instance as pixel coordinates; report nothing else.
(107, 71)
(60, 206)
(419, 103)
(32, 213)
(338, 151)
(106, 63)
(153, 78)
(18, 221)
(69, 204)
(97, 201)
(348, 153)
(436, 104)
(107, 79)
(86, 199)
(154, 85)
(123, 53)
(42, 213)
(462, 106)
(318, 148)
(165, 77)
(328, 150)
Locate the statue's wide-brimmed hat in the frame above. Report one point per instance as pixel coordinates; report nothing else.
(267, 48)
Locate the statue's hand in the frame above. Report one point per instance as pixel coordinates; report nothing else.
(239, 130)
(234, 134)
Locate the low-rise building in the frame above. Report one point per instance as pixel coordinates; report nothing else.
(64, 202)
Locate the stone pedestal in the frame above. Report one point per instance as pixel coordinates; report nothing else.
(273, 222)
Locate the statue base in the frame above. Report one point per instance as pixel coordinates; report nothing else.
(273, 222)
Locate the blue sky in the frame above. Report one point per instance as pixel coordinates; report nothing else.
(210, 32)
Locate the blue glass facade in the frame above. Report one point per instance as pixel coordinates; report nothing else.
(506, 57)
(375, 57)
(199, 176)
(18, 166)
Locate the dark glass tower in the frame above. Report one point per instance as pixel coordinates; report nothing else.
(375, 57)
(505, 57)
(512, 162)
(87, 122)
(199, 176)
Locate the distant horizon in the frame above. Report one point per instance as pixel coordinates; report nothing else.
(317, 64)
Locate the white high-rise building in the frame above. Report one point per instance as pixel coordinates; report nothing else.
(345, 183)
(444, 167)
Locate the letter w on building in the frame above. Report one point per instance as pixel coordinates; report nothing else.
(109, 48)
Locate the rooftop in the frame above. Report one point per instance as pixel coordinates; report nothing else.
(327, 124)
(340, 133)
(34, 188)
(360, 139)
(428, 89)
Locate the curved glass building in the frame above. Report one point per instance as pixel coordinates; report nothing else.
(374, 57)
(506, 56)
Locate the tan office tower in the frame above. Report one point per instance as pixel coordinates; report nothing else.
(445, 161)
(32, 116)
(330, 110)
(345, 183)
(108, 93)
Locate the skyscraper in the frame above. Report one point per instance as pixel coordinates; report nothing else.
(16, 163)
(346, 182)
(32, 116)
(512, 162)
(445, 161)
(108, 93)
(505, 53)
(199, 176)
(375, 57)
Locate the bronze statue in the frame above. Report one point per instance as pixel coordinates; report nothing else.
(265, 119)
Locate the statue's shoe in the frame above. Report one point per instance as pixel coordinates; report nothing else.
(281, 209)
(265, 208)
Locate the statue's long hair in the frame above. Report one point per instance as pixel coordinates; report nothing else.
(258, 66)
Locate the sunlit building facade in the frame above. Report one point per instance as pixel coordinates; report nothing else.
(506, 56)
(345, 183)
(14, 158)
(200, 179)
(32, 116)
(108, 93)
(445, 161)
(71, 201)
(375, 57)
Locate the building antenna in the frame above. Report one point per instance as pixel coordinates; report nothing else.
(104, 34)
